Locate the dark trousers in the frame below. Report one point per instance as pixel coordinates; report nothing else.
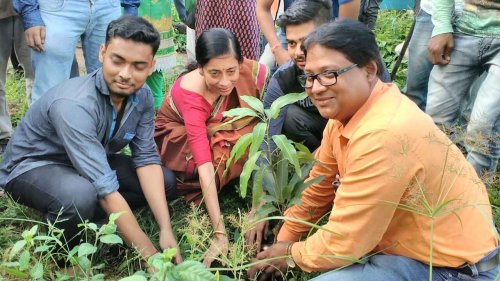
(67, 198)
(304, 126)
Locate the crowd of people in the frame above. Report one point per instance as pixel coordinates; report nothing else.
(407, 177)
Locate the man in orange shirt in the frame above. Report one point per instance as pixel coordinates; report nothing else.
(408, 199)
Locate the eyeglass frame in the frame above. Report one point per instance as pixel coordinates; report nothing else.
(303, 78)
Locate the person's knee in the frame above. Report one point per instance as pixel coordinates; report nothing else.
(75, 205)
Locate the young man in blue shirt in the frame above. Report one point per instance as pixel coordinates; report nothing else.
(63, 157)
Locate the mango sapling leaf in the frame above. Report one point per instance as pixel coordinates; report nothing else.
(282, 101)
(247, 172)
(255, 103)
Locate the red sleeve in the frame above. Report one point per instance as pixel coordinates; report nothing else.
(195, 111)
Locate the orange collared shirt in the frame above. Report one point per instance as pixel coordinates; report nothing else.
(400, 178)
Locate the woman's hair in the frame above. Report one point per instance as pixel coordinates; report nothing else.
(351, 38)
(215, 42)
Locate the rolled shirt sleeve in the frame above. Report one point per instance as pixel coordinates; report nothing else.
(79, 138)
(29, 11)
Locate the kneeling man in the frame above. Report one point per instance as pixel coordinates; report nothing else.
(408, 200)
(63, 157)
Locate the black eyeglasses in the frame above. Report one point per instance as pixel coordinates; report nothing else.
(325, 78)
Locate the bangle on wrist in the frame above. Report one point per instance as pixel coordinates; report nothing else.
(220, 232)
(275, 46)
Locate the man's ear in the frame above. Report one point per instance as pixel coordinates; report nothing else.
(102, 51)
(371, 70)
(153, 64)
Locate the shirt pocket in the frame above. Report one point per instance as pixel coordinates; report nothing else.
(51, 5)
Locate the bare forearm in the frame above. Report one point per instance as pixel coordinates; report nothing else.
(152, 184)
(127, 224)
(266, 21)
(208, 186)
(350, 10)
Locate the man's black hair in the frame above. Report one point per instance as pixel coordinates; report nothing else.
(302, 11)
(134, 28)
(350, 37)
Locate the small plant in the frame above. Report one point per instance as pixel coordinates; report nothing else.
(29, 256)
(278, 164)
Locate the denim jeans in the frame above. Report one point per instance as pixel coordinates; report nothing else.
(419, 66)
(66, 21)
(65, 197)
(12, 36)
(398, 268)
(449, 86)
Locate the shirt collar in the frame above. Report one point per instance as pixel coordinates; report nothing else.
(352, 125)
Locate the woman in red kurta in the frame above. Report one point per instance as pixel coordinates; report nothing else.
(193, 138)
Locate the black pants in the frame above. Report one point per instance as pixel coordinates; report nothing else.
(304, 126)
(65, 197)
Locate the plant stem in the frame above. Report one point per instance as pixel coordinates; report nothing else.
(431, 249)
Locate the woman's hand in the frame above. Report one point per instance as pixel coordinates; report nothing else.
(167, 240)
(258, 232)
(218, 247)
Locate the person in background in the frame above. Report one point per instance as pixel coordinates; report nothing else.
(462, 48)
(11, 32)
(63, 157)
(394, 213)
(193, 137)
(237, 16)
(53, 29)
(159, 13)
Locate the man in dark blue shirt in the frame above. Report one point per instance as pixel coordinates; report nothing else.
(63, 157)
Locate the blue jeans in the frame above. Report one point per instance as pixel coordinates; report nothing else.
(398, 268)
(66, 21)
(449, 86)
(419, 66)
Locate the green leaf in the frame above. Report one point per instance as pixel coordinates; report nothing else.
(254, 102)
(282, 170)
(269, 181)
(86, 249)
(288, 151)
(18, 246)
(98, 277)
(193, 271)
(134, 278)
(92, 226)
(305, 168)
(37, 271)
(111, 239)
(280, 102)
(42, 248)
(266, 210)
(240, 112)
(258, 134)
(169, 254)
(84, 262)
(239, 149)
(301, 186)
(108, 229)
(247, 172)
(14, 272)
(257, 190)
(24, 260)
(114, 216)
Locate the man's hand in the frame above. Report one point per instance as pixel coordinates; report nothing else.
(35, 37)
(218, 246)
(277, 265)
(167, 240)
(281, 55)
(440, 48)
